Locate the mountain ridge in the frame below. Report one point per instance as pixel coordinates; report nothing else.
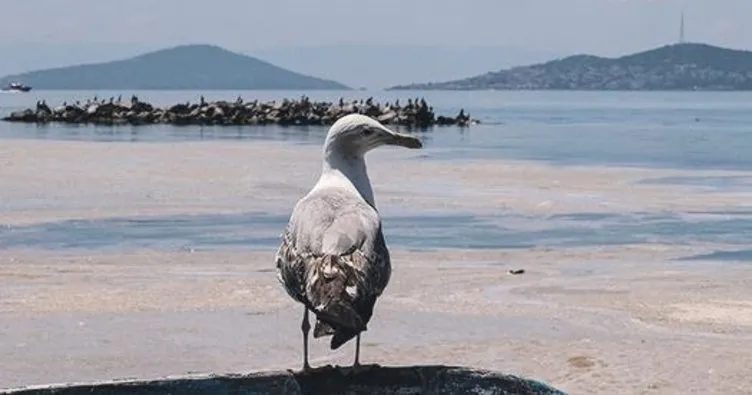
(685, 66)
(378, 66)
(188, 66)
(374, 66)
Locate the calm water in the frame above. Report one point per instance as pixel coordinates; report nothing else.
(660, 129)
(415, 232)
(688, 131)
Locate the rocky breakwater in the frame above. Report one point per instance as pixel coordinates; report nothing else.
(303, 111)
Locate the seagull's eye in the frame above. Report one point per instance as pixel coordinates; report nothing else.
(367, 132)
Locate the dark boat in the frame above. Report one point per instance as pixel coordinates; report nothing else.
(15, 86)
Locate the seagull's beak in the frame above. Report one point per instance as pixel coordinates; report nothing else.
(404, 140)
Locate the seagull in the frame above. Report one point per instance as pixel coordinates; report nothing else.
(333, 258)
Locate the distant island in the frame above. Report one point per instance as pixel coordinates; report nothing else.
(185, 67)
(686, 66)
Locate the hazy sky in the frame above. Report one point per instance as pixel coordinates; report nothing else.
(605, 27)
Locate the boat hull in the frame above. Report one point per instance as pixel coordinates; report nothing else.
(17, 88)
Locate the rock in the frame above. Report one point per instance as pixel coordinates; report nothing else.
(179, 109)
(327, 380)
(388, 117)
(22, 116)
(304, 112)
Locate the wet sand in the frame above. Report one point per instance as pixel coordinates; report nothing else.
(611, 319)
(56, 180)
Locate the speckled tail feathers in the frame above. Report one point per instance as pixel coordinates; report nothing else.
(332, 290)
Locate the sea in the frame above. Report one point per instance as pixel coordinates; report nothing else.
(688, 131)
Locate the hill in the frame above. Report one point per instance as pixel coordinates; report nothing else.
(369, 65)
(672, 67)
(195, 66)
(378, 66)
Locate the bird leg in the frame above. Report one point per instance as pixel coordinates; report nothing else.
(306, 327)
(356, 364)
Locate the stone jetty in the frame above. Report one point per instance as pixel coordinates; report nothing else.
(303, 111)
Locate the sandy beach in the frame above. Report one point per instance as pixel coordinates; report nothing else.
(607, 319)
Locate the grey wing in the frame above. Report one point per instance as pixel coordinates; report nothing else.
(291, 267)
(376, 264)
(343, 287)
(355, 235)
(300, 246)
(334, 259)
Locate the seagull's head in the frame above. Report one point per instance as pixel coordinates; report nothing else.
(354, 135)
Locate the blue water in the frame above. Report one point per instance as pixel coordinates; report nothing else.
(686, 130)
(709, 183)
(416, 232)
(662, 130)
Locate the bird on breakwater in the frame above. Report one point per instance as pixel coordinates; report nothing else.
(333, 258)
